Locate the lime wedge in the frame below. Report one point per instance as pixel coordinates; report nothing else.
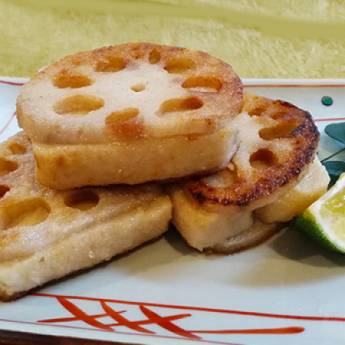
(324, 220)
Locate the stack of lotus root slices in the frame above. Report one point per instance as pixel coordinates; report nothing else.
(120, 141)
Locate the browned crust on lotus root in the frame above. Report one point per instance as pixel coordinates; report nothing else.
(304, 139)
(129, 52)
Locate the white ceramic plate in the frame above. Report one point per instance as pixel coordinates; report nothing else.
(287, 290)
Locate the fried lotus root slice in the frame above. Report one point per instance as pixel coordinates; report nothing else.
(46, 234)
(237, 207)
(174, 103)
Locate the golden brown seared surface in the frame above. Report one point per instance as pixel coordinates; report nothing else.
(221, 232)
(277, 142)
(126, 92)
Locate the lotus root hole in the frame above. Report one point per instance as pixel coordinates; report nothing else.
(7, 166)
(181, 104)
(24, 213)
(202, 84)
(282, 130)
(258, 110)
(138, 87)
(262, 159)
(122, 115)
(78, 105)
(179, 65)
(154, 56)
(17, 149)
(65, 79)
(82, 199)
(280, 113)
(3, 190)
(110, 64)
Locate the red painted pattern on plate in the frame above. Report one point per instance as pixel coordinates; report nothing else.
(3, 129)
(329, 119)
(150, 316)
(299, 85)
(212, 310)
(13, 83)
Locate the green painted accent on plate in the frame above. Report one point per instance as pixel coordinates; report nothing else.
(336, 131)
(334, 169)
(327, 101)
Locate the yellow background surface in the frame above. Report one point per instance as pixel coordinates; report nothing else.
(260, 38)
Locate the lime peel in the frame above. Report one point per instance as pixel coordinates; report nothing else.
(324, 220)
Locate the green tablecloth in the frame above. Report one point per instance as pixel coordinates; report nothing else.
(260, 38)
